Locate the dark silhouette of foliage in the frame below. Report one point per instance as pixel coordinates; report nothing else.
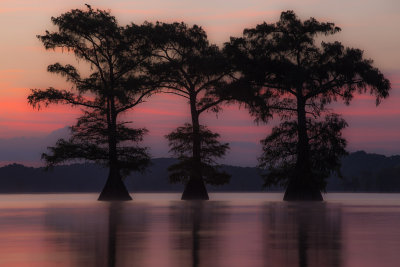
(327, 147)
(185, 64)
(282, 71)
(89, 141)
(116, 82)
(181, 145)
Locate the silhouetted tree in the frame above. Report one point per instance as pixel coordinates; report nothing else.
(185, 64)
(115, 83)
(282, 71)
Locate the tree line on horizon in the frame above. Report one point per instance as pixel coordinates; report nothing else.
(273, 70)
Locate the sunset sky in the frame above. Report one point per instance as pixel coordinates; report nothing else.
(370, 25)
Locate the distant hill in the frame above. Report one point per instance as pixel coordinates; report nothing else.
(361, 172)
(368, 173)
(16, 178)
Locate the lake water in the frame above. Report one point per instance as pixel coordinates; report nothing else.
(157, 230)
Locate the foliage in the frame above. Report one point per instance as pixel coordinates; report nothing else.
(327, 147)
(280, 62)
(181, 145)
(185, 64)
(89, 141)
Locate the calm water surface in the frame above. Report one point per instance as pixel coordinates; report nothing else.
(156, 230)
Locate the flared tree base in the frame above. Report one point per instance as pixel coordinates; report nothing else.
(300, 191)
(195, 190)
(114, 190)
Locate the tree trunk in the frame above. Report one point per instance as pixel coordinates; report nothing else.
(195, 188)
(115, 189)
(301, 185)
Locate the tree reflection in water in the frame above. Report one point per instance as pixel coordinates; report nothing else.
(109, 236)
(302, 234)
(197, 224)
(196, 233)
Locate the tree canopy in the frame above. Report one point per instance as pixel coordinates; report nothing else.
(181, 143)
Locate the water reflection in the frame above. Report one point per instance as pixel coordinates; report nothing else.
(302, 234)
(197, 225)
(198, 234)
(106, 236)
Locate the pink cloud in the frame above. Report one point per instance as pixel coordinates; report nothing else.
(24, 9)
(238, 14)
(158, 111)
(148, 12)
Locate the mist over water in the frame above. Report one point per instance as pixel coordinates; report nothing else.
(230, 230)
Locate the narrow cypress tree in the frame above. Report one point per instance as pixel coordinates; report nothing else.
(185, 64)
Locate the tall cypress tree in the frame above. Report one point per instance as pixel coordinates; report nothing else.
(281, 70)
(114, 56)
